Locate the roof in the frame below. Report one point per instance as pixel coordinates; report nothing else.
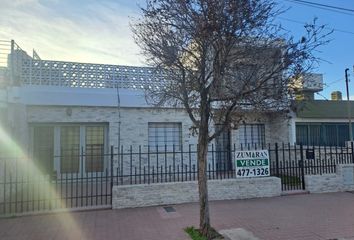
(69, 96)
(323, 109)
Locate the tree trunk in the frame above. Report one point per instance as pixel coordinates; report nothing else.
(204, 224)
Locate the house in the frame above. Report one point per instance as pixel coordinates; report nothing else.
(319, 122)
(59, 108)
(323, 122)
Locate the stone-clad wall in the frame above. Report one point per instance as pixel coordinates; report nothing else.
(342, 180)
(134, 121)
(134, 129)
(323, 183)
(276, 126)
(278, 129)
(182, 192)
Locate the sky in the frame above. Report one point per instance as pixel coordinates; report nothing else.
(97, 31)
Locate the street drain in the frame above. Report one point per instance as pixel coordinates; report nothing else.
(169, 209)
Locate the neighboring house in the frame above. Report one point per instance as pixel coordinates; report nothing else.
(56, 110)
(323, 122)
(320, 122)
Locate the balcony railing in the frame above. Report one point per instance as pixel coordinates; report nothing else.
(87, 75)
(32, 70)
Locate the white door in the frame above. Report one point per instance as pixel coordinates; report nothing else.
(94, 150)
(70, 151)
(70, 148)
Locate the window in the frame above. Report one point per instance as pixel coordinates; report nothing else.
(69, 149)
(251, 134)
(331, 130)
(329, 134)
(59, 147)
(301, 133)
(343, 133)
(315, 133)
(223, 149)
(43, 148)
(94, 148)
(165, 134)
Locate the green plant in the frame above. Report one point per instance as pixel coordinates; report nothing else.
(290, 180)
(196, 235)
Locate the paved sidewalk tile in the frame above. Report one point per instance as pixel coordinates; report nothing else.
(238, 234)
(306, 217)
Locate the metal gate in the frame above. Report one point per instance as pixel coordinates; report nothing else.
(25, 189)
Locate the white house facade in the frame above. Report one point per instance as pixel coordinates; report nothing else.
(57, 108)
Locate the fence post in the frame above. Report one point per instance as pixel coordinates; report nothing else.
(352, 145)
(12, 68)
(112, 158)
(277, 158)
(302, 167)
(131, 164)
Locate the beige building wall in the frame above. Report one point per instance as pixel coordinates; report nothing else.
(134, 131)
(134, 122)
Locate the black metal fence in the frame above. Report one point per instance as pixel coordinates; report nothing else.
(25, 186)
(292, 162)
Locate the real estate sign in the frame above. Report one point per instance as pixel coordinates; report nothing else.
(252, 163)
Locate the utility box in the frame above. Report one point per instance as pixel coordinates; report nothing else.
(310, 154)
(348, 175)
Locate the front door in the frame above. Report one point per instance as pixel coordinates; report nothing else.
(70, 151)
(94, 150)
(223, 150)
(43, 149)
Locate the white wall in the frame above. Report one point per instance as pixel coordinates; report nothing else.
(130, 196)
(134, 127)
(342, 180)
(70, 96)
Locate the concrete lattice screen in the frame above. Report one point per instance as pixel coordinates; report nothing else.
(87, 75)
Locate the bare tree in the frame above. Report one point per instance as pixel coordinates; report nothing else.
(221, 59)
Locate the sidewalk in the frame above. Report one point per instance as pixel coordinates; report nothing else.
(310, 216)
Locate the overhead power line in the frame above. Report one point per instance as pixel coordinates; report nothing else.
(303, 23)
(315, 5)
(319, 94)
(325, 5)
(327, 85)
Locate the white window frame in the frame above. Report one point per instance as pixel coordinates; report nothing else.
(57, 146)
(242, 138)
(157, 142)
